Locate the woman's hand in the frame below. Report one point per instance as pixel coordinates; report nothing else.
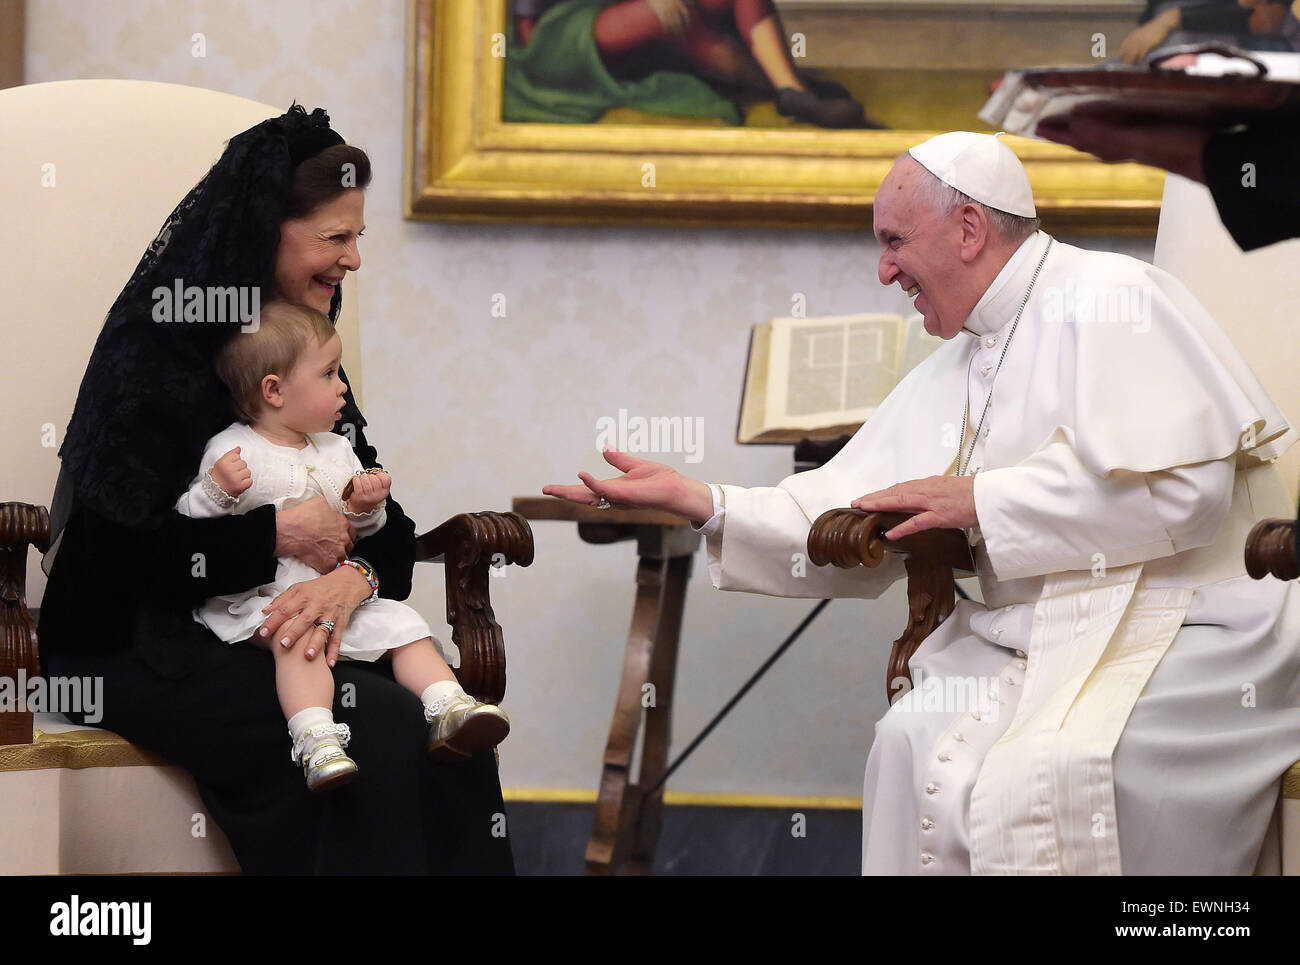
(643, 485)
(293, 616)
(315, 534)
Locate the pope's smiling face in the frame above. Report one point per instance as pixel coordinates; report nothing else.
(929, 255)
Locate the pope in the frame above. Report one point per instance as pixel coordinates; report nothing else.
(1123, 697)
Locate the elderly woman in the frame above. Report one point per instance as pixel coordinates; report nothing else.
(279, 215)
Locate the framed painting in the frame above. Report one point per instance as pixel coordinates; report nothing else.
(765, 113)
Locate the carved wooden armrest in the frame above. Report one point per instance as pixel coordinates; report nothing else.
(474, 547)
(1271, 550)
(853, 537)
(21, 526)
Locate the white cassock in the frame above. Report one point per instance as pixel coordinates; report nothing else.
(1136, 691)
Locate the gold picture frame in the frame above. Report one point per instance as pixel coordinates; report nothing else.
(464, 163)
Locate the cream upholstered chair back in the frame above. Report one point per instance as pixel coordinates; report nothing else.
(91, 169)
(1253, 296)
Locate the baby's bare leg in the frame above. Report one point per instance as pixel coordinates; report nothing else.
(300, 683)
(417, 665)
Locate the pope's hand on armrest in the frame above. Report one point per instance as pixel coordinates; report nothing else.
(937, 502)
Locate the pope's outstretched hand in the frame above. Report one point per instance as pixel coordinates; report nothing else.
(643, 485)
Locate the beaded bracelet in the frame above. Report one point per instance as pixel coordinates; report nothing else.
(368, 571)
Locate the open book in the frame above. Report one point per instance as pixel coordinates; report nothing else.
(821, 378)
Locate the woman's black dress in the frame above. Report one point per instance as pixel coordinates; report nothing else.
(118, 606)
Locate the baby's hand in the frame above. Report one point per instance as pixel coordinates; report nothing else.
(231, 473)
(368, 490)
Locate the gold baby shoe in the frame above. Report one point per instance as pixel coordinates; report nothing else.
(461, 726)
(327, 767)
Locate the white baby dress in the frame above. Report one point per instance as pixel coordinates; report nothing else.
(285, 476)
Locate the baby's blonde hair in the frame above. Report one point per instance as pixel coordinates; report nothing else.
(285, 331)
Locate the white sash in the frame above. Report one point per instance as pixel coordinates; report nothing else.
(1044, 802)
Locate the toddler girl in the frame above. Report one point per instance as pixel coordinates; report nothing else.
(283, 378)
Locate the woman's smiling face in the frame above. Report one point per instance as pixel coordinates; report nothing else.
(317, 250)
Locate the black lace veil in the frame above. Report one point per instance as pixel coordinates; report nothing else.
(150, 398)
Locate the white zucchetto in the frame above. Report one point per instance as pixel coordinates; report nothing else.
(981, 167)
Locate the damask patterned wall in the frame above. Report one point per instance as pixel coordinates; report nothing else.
(469, 409)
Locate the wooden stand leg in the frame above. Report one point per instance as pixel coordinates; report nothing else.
(616, 803)
(626, 828)
(659, 716)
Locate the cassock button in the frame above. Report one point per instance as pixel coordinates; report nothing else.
(927, 857)
(926, 824)
(990, 341)
(1020, 653)
(997, 633)
(1020, 664)
(1009, 680)
(986, 432)
(975, 714)
(945, 756)
(986, 370)
(959, 737)
(932, 788)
